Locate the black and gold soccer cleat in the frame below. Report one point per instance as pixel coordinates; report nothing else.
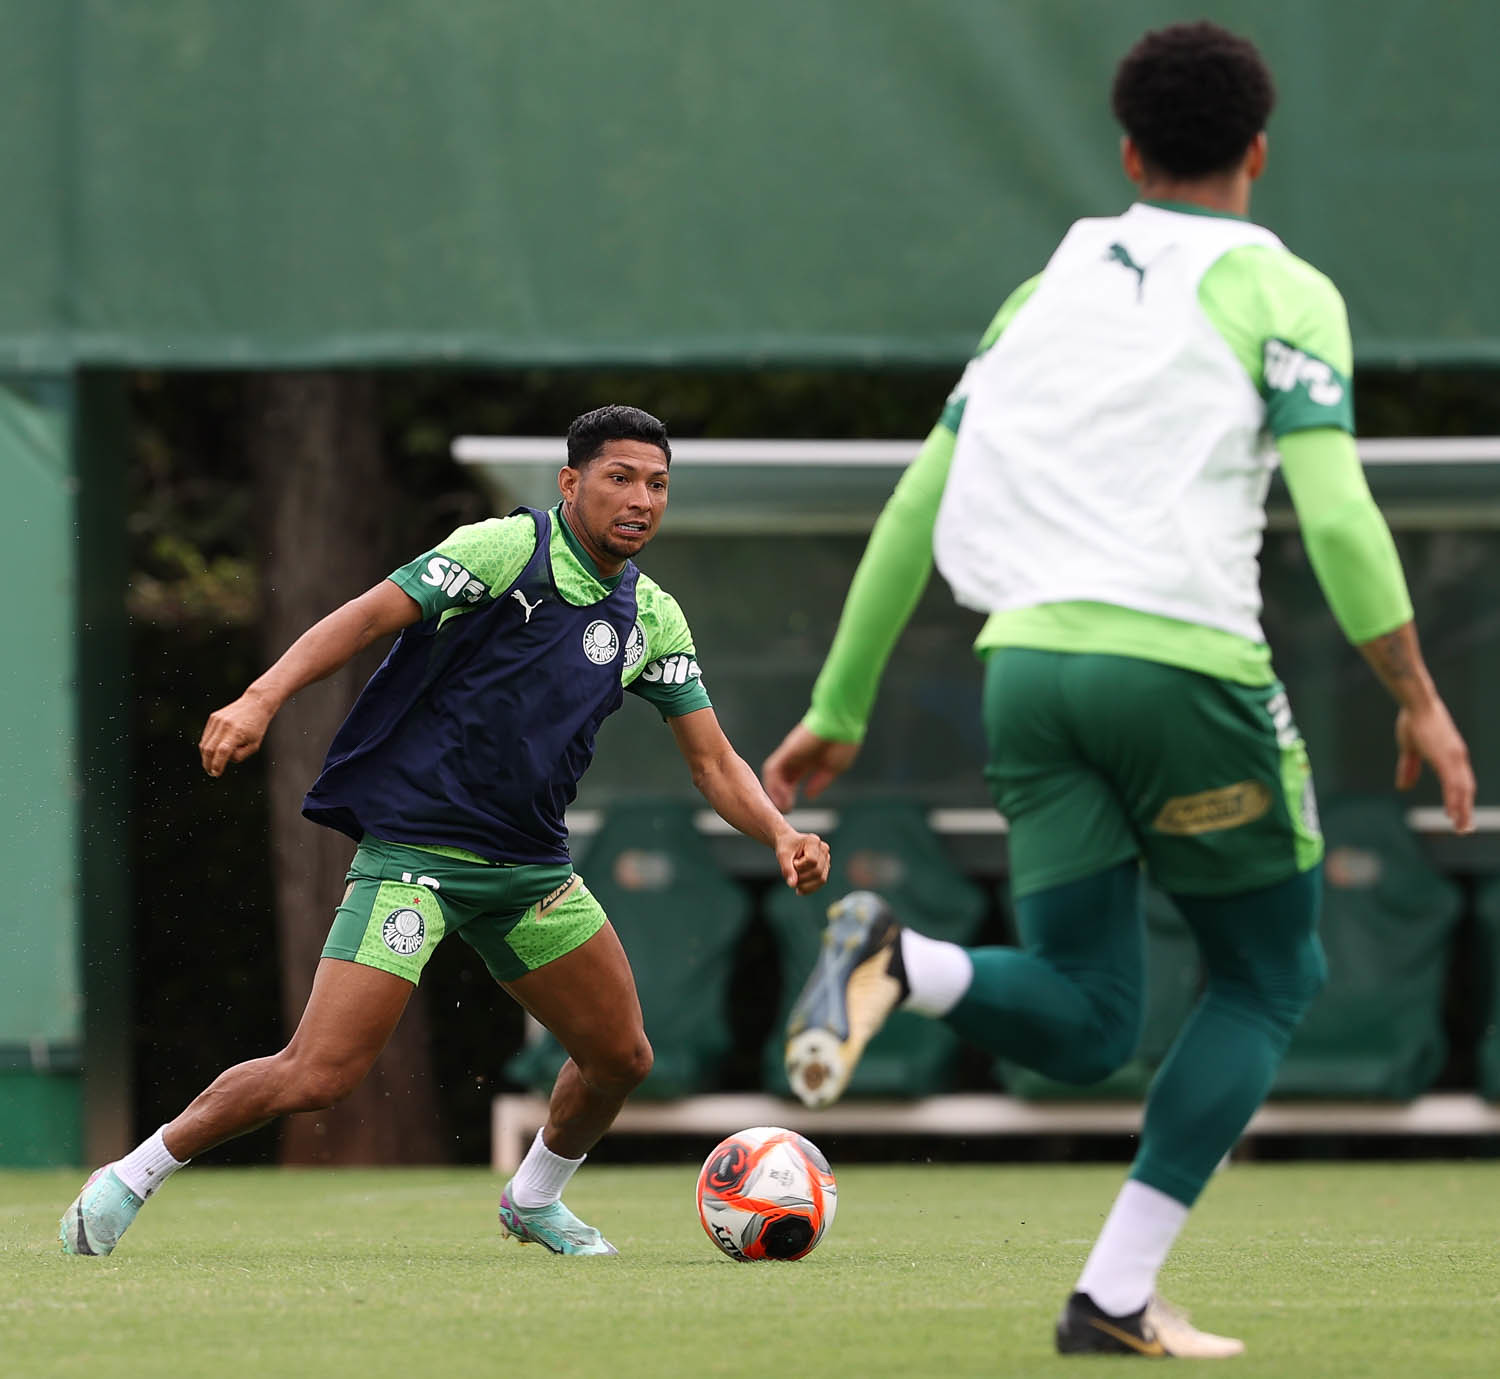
(857, 981)
(1158, 1330)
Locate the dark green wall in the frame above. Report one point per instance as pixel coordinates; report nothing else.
(669, 181)
(41, 996)
(65, 975)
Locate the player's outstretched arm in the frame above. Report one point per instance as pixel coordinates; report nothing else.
(1355, 559)
(885, 589)
(237, 730)
(884, 592)
(726, 781)
(805, 761)
(1425, 731)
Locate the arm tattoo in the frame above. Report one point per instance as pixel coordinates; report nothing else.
(1391, 659)
(1396, 658)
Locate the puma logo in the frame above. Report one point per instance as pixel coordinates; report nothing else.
(1118, 253)
(529, 608)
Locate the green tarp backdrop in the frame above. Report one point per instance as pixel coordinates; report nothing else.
(40, 1008)
(308, 183)
(41, 996)
(679, 181)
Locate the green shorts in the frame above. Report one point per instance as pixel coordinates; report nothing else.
(1097, 759)
(402, 900)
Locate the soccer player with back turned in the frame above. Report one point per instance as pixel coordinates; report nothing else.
(519, 636)
(1096, 486)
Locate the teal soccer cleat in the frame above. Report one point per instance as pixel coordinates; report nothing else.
(99, 1216)
(554, 1227)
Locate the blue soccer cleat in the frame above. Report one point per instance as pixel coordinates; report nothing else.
(99, 1216)
(554, 1227)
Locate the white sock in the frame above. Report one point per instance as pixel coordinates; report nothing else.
(938, 973)
(1120, 1274)
(542, 1176)
(147, 1166)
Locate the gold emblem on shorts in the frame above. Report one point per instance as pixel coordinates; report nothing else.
(555, 898)
(1230, 806)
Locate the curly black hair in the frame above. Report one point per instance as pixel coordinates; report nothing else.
(591, 432)
(1192, 97)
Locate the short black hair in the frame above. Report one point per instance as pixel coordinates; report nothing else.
(1192, 97)
(591, 432)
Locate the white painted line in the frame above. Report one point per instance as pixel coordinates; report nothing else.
(876, 454)
(1426, 819)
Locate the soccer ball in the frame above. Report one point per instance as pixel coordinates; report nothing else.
(766, 1193)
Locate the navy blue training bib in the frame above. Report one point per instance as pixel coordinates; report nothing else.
(478, 725)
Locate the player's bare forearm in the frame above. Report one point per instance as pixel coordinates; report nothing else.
(726, 781)
(730, 786)
(1396, 659)
(237, 730)
(731, 789)
(332, 642)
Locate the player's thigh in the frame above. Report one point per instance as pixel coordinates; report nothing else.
(587, 999)
(350, 1015)
(1093, 923)
(389, 919)
(1214, 774)
(1066, 821)
(1263, 943)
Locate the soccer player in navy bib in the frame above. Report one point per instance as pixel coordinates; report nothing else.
(519, 636)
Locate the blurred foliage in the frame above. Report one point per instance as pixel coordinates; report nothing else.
(173, 582)
(205, 958)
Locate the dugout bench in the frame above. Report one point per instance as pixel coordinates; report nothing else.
(515, 1119)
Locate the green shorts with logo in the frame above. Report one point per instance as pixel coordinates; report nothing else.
(401, 901)
(1097, 759)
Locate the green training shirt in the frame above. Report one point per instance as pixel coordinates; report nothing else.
(480, 561)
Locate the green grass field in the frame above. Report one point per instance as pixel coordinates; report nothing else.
(929, 1271)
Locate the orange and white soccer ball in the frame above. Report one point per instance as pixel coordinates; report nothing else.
(766, 1193)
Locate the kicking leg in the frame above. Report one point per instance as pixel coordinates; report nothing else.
(587, 999)
(349, 1017)
(1068, 1003)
